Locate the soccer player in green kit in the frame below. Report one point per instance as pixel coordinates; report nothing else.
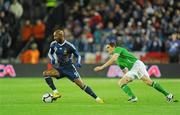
(132, 69)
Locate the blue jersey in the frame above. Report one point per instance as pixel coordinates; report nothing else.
(61, 58)
(62, 54)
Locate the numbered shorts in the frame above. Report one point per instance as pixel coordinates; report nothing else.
(68, 71)
(137, 71)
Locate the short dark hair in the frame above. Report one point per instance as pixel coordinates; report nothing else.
(57, 27)
(112, 44)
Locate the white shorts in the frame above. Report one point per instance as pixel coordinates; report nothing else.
(137, 71)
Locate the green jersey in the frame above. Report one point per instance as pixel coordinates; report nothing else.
(125, 59)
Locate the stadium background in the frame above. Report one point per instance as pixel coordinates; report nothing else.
(148, 28)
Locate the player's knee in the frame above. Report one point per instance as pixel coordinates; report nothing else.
(148, 82)
(83, 87)
(123, 81)
(80, 85)
(45, 74)
(120, 82)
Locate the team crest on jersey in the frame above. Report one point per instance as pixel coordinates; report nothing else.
(65, 51)
(55, 49)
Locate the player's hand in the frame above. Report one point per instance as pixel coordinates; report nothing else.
(56, 65)
(125, 70)
(78, 65)
(98, 68)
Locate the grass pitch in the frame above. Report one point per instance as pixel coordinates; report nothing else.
(22, 96)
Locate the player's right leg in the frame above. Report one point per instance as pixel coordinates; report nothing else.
(47, 76)
(123, 84)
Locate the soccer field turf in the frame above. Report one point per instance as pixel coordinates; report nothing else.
(22, 96)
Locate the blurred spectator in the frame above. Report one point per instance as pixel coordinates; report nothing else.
(30, 56)
(155, 45)
(140, 25)
(77, 29)
(56, 17)
(5, 43)
(129, 42)
(76, 12)
(51, 4)
(6, 21)
(88, 40)
(94, 20)
(16, 8)
(39, 34)
(174, 49)
(27, 9)
(98, 35)
(39, 30)
(1, 4)
(39, 10)
(137, 44)
(26, 31)
(149, 8)
(176, 18)
(7, 4)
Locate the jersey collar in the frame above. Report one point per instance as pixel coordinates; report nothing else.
(62, 43)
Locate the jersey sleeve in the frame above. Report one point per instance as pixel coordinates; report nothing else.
(75, 52)
(117, 50)
(51, 54)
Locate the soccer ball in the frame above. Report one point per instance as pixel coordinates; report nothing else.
(47, 98)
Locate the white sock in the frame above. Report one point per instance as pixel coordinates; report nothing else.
(55, 91)
(97, 98)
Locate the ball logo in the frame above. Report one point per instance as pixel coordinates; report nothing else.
(7, 70)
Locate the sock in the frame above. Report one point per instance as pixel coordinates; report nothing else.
(127, 90)
(49, 81)
(97, 98)
(89, 91)
(158, 87)
(55, 91)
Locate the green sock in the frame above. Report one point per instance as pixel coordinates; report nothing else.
(127, 90)
(158, 87)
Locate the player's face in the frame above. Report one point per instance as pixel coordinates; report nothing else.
(109, 49)
(59, 36)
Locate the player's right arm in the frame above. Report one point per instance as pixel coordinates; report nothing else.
(116, 53)
(51, 54)
(108, 63)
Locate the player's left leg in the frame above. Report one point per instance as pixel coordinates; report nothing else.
(144, 76)
(74, 76)
(158, 87)
(87, 89)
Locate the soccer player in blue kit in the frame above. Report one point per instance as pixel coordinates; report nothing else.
(60, 54)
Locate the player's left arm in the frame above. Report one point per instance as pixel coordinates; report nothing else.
(78, 58)
(77, 55)
(108, 63)
(51, 55)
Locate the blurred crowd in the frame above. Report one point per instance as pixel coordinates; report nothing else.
(138, 25)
